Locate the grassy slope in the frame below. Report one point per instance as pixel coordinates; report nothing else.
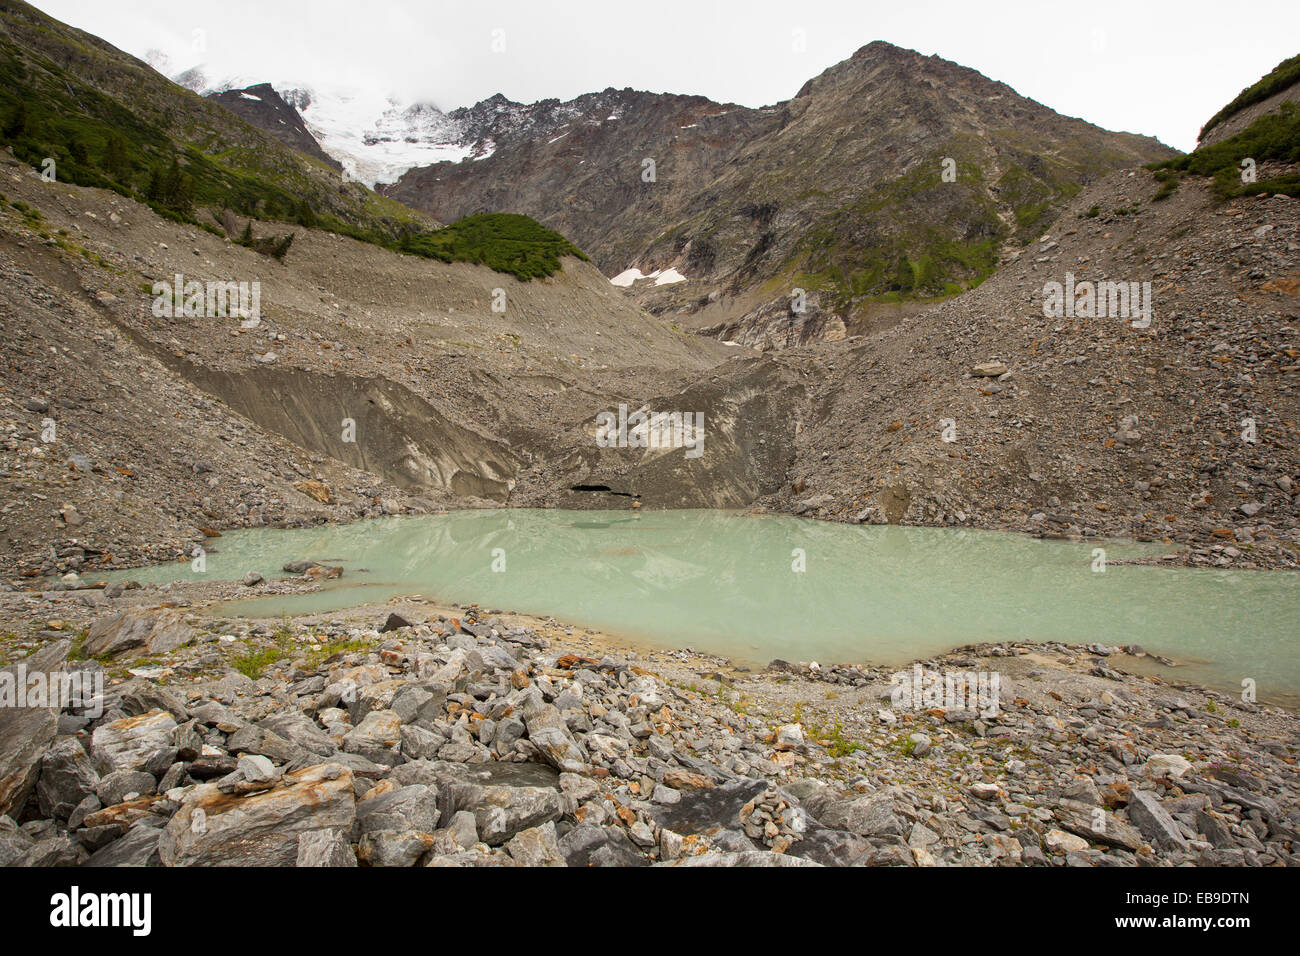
(1273, 137)
(1286, 73)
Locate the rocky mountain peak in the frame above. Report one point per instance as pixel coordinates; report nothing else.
(262, 106)
(831, 186)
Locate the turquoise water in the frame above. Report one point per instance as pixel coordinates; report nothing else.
(724, 582)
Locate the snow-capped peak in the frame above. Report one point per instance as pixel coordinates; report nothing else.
(377, 137)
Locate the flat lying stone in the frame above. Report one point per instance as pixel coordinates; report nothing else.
(212, 828)
(149, 630)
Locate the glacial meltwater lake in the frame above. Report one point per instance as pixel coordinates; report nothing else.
(725, 582)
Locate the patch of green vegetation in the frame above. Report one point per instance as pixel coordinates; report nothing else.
(283, 631)
(1168, 180)
(78, 651)
(920, 238)
(1274, 137)
(1028, 216)
(274, 246)
(506, 242)
(254, 664)
(833, 739)
(926, 265)
(1032, 197)
(1283, 75)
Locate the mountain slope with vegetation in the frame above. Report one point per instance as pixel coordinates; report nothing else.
(1251, 147)
(840, 191)
(109, 120)
(1281, 84)
(262, 106)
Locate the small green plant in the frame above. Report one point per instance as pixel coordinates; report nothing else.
(1168, 180)
(837, 745)
(254, 664)
(78, 651)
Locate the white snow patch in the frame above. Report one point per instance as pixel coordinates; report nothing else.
(627, 277)
(249, 96)
(661, 277)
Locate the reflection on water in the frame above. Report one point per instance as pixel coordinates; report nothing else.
(726, 582)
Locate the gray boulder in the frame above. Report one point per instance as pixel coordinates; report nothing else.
(870, 814)
(139, 847)
(1154, 821)
(67, 778)
(325, 848)
(26, 732)
(407, 808)
(115, 787)
(129, 743)
(149, 630)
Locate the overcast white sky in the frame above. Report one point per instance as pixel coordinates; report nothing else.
(1124, 64)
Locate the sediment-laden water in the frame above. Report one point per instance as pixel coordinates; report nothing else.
(760, 587)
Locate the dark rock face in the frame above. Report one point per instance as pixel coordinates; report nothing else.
(745, 450)
(710, 810)
(26, 732)
(263, 107)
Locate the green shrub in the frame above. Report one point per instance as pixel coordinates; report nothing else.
(1168, 180)
(506, 242)
(1273, 137)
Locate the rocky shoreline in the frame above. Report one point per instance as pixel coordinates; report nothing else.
(415, 734)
